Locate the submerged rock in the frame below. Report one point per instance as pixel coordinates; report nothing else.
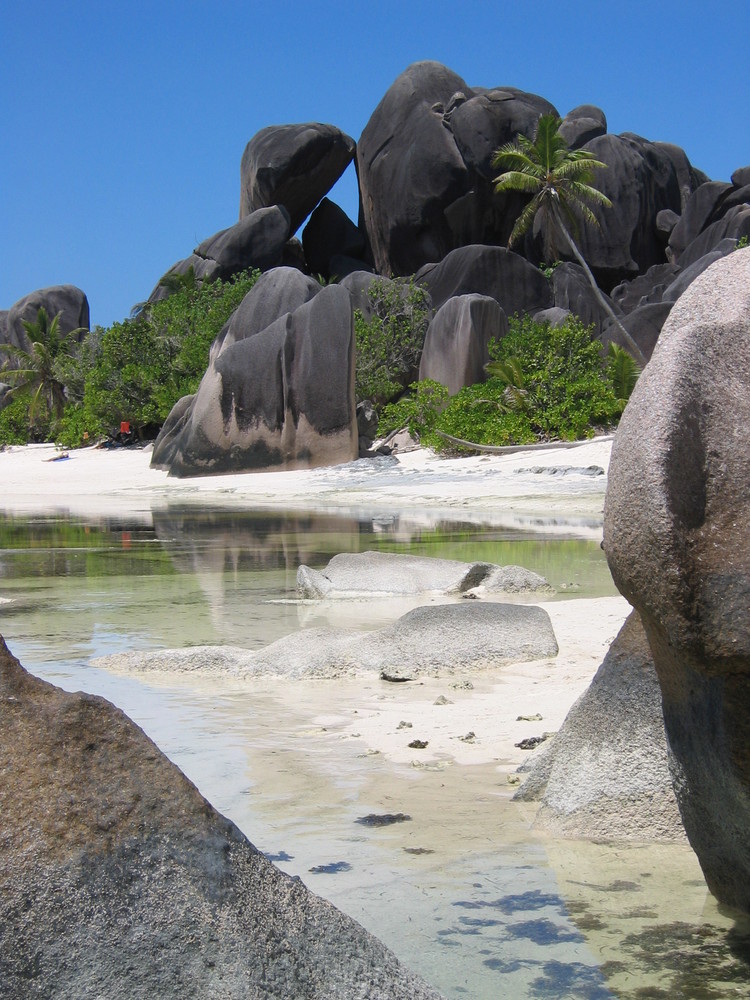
(120, 880)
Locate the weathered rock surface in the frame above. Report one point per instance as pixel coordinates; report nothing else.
(644, 325)
(120, 880)
(675, 534)
(293, 166)
(437, 641)
(582, 124)
(331, 233)
(605, 776)
(281, 398)
(456, 347)
(510, 279)
(68, 300)
(353, 574)
(257, 240)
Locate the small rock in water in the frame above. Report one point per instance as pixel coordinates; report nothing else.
(383, 819)
(531, 743)
(418, 744)
(529, 718)
(404, 725)
(442, 700)
(331, 869)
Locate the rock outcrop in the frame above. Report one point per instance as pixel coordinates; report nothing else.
(605, 776)
(440, 640)
(279, 398)
(456, 347)
(293, 166)
(120, 880)
(356, 574)
(67, 300)
(675, 535)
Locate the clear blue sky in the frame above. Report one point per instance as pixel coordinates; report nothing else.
(123, 124)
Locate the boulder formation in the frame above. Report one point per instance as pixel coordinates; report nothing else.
(456, 347)
(605, 776)
(675, 535)
(119, 879)
(279, 398)
(293, 166)
(67, 300)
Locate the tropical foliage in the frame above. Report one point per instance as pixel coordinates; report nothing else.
(559, 181)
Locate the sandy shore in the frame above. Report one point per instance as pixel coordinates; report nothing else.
(514, 489)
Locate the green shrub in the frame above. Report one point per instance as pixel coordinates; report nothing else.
(545, 383)
(16, 426)
(389, 345)
(418, 410)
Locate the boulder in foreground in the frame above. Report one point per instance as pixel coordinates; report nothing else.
(120, 880)
(676, 537)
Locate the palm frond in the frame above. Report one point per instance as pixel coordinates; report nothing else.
(515, 180)
(524, 220)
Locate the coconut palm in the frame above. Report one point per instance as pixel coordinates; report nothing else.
(34, 374)
(559, 180)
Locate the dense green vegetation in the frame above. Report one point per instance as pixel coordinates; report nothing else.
(133, 371)
(389, 344)
(544, 384)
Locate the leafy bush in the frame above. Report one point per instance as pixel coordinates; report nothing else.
(15, 427)
(545, 383)
(418, 410)
(389, 344)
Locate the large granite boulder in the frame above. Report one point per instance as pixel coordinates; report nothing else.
(644, 325)
(676, 538)
(640, 180)
(439, 640)
(120, 880)
(582, 124)
(330, 233)
(293, 166)
(510, 279)
(67, 300)
(605, 776)
(257, 240)
(360, 574)
(456, 347)
(572, 291)
(282, 398)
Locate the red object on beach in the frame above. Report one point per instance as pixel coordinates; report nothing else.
(124, 427)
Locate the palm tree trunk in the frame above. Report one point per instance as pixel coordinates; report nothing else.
(632, 346)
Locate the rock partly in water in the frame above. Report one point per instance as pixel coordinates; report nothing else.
(120, 880)
(606, 774)
(352, 574)
(439, 640)
(676, 538)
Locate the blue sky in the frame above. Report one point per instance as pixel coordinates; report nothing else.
(123, 124)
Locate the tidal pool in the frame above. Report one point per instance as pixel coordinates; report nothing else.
(459, 887)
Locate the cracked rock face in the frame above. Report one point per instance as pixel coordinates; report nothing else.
(120, 880)
(676, 537)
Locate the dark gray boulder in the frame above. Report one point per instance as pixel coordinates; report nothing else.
(644, 325)
(204, 270)
(582, 124)
(330, 233)
(644, 289)
(456, 347)
(741, 177)
(410, 169)
(666, 220)
(687, 275)
(67, 300)
(696, 215)
(279, 291)
(505, 276)
(120, 880)
(605, 776)
(732, 226)
(258, 240)
(282, 398)
(572, 291)
(675, 535)
(640, 181)
(293, 166)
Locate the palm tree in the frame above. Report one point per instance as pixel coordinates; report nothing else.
(35, 372)
(559, 180)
